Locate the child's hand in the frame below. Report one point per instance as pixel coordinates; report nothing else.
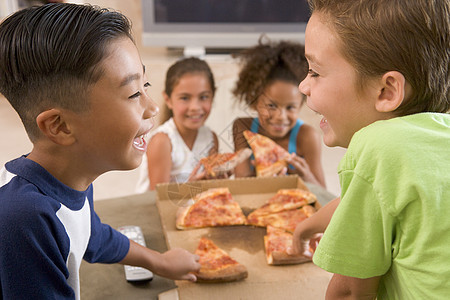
(282, 172)
(302, 168)
(197, 173)
(178, 264)
(304, 245)
(308, 233)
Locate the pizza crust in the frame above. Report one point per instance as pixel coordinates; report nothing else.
(227, 274)
(272, 170)
(181, 215)
(282, 258)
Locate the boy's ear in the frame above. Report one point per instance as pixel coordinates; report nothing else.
(53, 125)
(392, 93)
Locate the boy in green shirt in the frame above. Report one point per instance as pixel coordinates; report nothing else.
(379, 75)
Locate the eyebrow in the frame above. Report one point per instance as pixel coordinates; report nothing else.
(311, 58)
(132, 77)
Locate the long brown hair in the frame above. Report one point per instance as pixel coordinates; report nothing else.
(179, 69)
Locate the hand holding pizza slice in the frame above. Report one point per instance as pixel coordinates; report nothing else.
(222, 163)
(270, 158)
(216, 265)
(276, 243)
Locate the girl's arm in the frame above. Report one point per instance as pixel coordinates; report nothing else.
(244, 169)
(159, 159)
(174, 264)
(309, 145)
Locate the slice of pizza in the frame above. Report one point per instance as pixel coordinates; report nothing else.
(276, 243)
(287, 220)
(214, 207)
(221, 163)
(285, 199)
(216, 265)
(270, 158)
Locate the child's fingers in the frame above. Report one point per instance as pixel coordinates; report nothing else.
(191, 277)
(299, 164)
(282, 172)
(302, 247)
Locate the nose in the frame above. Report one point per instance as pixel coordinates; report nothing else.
(194, 104)
(280, 113)
(150, 108)
(304, 87)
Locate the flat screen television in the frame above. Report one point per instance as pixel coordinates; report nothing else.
(222, 24)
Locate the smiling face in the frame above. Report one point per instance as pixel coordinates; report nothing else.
(190, 101)
(278, 108)
(330, 86)
(110, 134)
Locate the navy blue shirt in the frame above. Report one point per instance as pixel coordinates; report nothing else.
(46, 229)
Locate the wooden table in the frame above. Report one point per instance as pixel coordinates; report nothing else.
(102, 281)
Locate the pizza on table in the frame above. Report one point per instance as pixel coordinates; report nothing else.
(216, 207)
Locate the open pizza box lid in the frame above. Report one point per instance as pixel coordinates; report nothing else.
(243, 243)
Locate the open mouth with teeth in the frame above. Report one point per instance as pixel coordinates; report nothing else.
(140, 143)
(323, 122)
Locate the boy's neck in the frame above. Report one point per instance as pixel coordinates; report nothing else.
(63, 167)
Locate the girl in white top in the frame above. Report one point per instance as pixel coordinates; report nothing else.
(176, 146)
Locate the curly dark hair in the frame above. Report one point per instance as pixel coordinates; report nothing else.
(267, 62)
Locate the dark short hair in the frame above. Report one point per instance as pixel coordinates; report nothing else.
(51, 54)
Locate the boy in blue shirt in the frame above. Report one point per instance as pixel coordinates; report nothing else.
(379, 75)
(74, 76)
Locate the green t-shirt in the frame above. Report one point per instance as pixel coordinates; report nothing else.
(394, 216)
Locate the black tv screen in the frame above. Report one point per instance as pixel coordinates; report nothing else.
(222, 23)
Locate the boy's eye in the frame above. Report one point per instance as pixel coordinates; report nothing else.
(137, 94)
(312, 73)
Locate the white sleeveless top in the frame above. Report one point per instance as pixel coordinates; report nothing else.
(183, 159)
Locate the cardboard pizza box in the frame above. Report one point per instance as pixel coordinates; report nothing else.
(244, 243)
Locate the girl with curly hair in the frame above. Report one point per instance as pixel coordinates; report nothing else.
(268, 83)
